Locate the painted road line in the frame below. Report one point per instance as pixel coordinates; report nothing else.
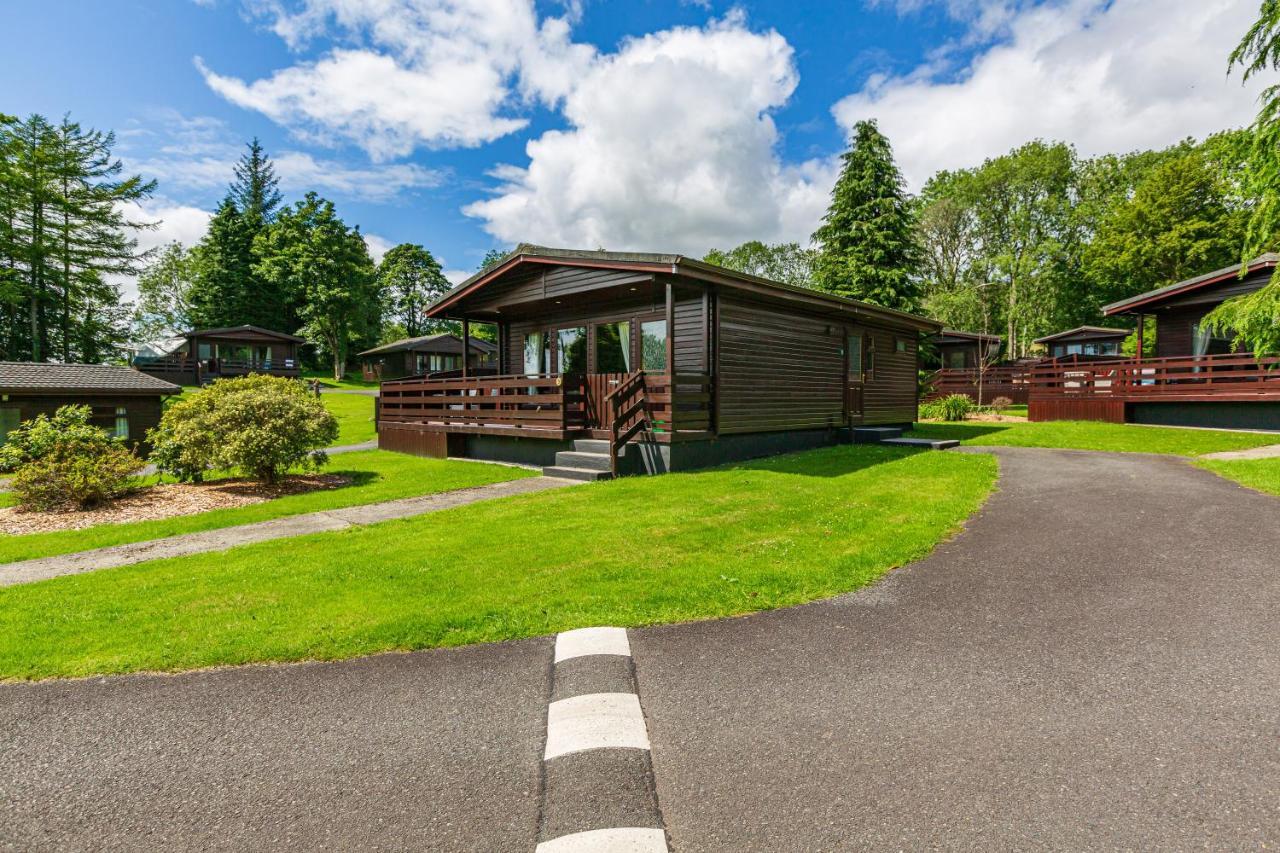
(592, 641)
(595, 721)
(619, 840)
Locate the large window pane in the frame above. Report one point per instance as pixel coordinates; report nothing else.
(653, 345)
(535, 353)
(571, 346)
(855, 358)
(613, 347)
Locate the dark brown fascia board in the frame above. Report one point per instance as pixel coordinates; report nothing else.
(1130, 305)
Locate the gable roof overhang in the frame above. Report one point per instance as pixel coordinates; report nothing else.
(1084, 333)
(449, 305)
(232, 331)
(955, 336)
(1155, 298)
(443, 343)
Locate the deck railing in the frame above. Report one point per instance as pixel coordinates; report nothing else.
(1237, 376)
(999, 380)
(218, 366)
(546, 402)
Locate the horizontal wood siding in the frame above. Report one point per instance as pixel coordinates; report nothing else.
(691, 341)
(1108, 411)
(889, 393)
(142, 411)
(1173, 330)
(779, 370)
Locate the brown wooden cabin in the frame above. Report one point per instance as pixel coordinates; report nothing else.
(423, 355)
(660, 361)
(957, 350)
(1195, 379)
(208, 354)
(124, 402)
(1084, 341)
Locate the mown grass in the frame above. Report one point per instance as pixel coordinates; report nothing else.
(351, 382)
(376, 475)
(1262, 475)
(1092, 435)
(631, 552)
(355, 417)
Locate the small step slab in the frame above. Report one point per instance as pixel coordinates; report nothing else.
(579, 459)
(922, 443)
(591, 445)
(566, 473)
(873, 435)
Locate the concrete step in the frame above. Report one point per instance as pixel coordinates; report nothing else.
(591, 445)
(923, 443)
(576, 459)
(587, 474)
(871, 435)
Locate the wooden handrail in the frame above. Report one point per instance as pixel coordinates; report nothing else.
(1239, 375)
(625, 403)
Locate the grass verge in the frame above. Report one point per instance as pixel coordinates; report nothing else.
(1094, 435)
(355, 417)
(631, 552)
(352, 381)
(376, 475)
(1261, 475)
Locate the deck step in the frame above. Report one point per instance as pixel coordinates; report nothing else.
(579, 459)
(925, 443)
(565, 473)
(591, 445)
(871, 435)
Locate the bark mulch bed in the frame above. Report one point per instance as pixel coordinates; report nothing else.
(166, 501)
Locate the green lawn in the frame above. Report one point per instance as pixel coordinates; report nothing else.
(1093, 435)
(352, 381)
(355, 417)
(630, 552)
(377, 475)
(1260, 474)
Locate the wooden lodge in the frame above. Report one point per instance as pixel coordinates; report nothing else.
(203, 355)
(655, 363)
(969, 363)
(957, 350)
(1084, 341)
(124, 402)
(424, 355)
(1195, 378)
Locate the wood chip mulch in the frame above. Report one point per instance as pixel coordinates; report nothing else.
(166, 501)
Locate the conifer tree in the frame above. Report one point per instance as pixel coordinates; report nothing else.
(866, 243)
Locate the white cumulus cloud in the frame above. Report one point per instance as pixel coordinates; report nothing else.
(175, 222)
(1107, 75)
(670, 146)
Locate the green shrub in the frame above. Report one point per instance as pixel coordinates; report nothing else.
(259, 426)
(954, 407)
(1000, 404)
(931, 411)
(65, 462)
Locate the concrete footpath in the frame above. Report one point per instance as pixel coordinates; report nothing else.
(223, 538)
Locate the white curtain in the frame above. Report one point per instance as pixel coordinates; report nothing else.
(624, 339)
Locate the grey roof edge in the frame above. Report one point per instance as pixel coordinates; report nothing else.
(1258, 263)
(407, 344)
(242, 328)
(977, 336)
(676, 262)
(1101, 330)
(139, 382)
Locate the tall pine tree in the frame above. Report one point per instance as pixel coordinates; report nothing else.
(867, 248)
(256, 189)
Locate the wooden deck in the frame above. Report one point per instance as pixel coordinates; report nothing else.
(1012, 381)
(188, 372)
(1102, 389)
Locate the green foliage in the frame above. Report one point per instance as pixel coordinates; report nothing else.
(258, 425)
(64, 462)
(1129, 346)
(64, 236)
(308, 251)
(788, 263)
(867, 239)
(955, 407)
(411, 279)
(255, 188)
(165, 290)
(491, 257)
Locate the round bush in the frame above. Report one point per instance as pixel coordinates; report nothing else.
(65, 462)
(259, 426)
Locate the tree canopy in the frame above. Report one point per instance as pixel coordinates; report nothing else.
(410, 279)
(788, 263)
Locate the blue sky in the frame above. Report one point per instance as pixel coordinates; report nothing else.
(630, 124)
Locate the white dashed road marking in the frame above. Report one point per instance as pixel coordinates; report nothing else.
(621, 840)
(595, 721)
(592, 641)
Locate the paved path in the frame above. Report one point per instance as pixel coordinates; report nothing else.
(1092, 664)
(1267, 451)
(262, 531)
(361, 392)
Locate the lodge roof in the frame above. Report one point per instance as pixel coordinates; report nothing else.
(1144, 300)
(89, 378)
(968, 336)
(230, 331)
(1085, 331)
(673, 264)
(444, 342)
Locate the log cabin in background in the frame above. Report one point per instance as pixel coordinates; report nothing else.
(203, 355)
(1084, 341)
(125, 402)
(969, 363)
(633, 362)
(424, 355)
(1195, 378)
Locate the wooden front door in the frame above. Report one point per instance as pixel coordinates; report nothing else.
(599, 386)
(855, 375)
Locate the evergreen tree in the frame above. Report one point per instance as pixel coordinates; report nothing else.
(867, 241)
(222, 268)
(256, 189)
(310, 252)
(410, 279)
(491, 257)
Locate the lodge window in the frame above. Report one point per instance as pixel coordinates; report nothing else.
(571, 350)
(855, 357)
(122, 422)
(613, 347)
(653, 345)
(1204, 342)
(537, 353)
(899, 345)
(955, 359)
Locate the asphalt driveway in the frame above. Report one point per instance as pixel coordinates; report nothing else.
(1093, 664)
